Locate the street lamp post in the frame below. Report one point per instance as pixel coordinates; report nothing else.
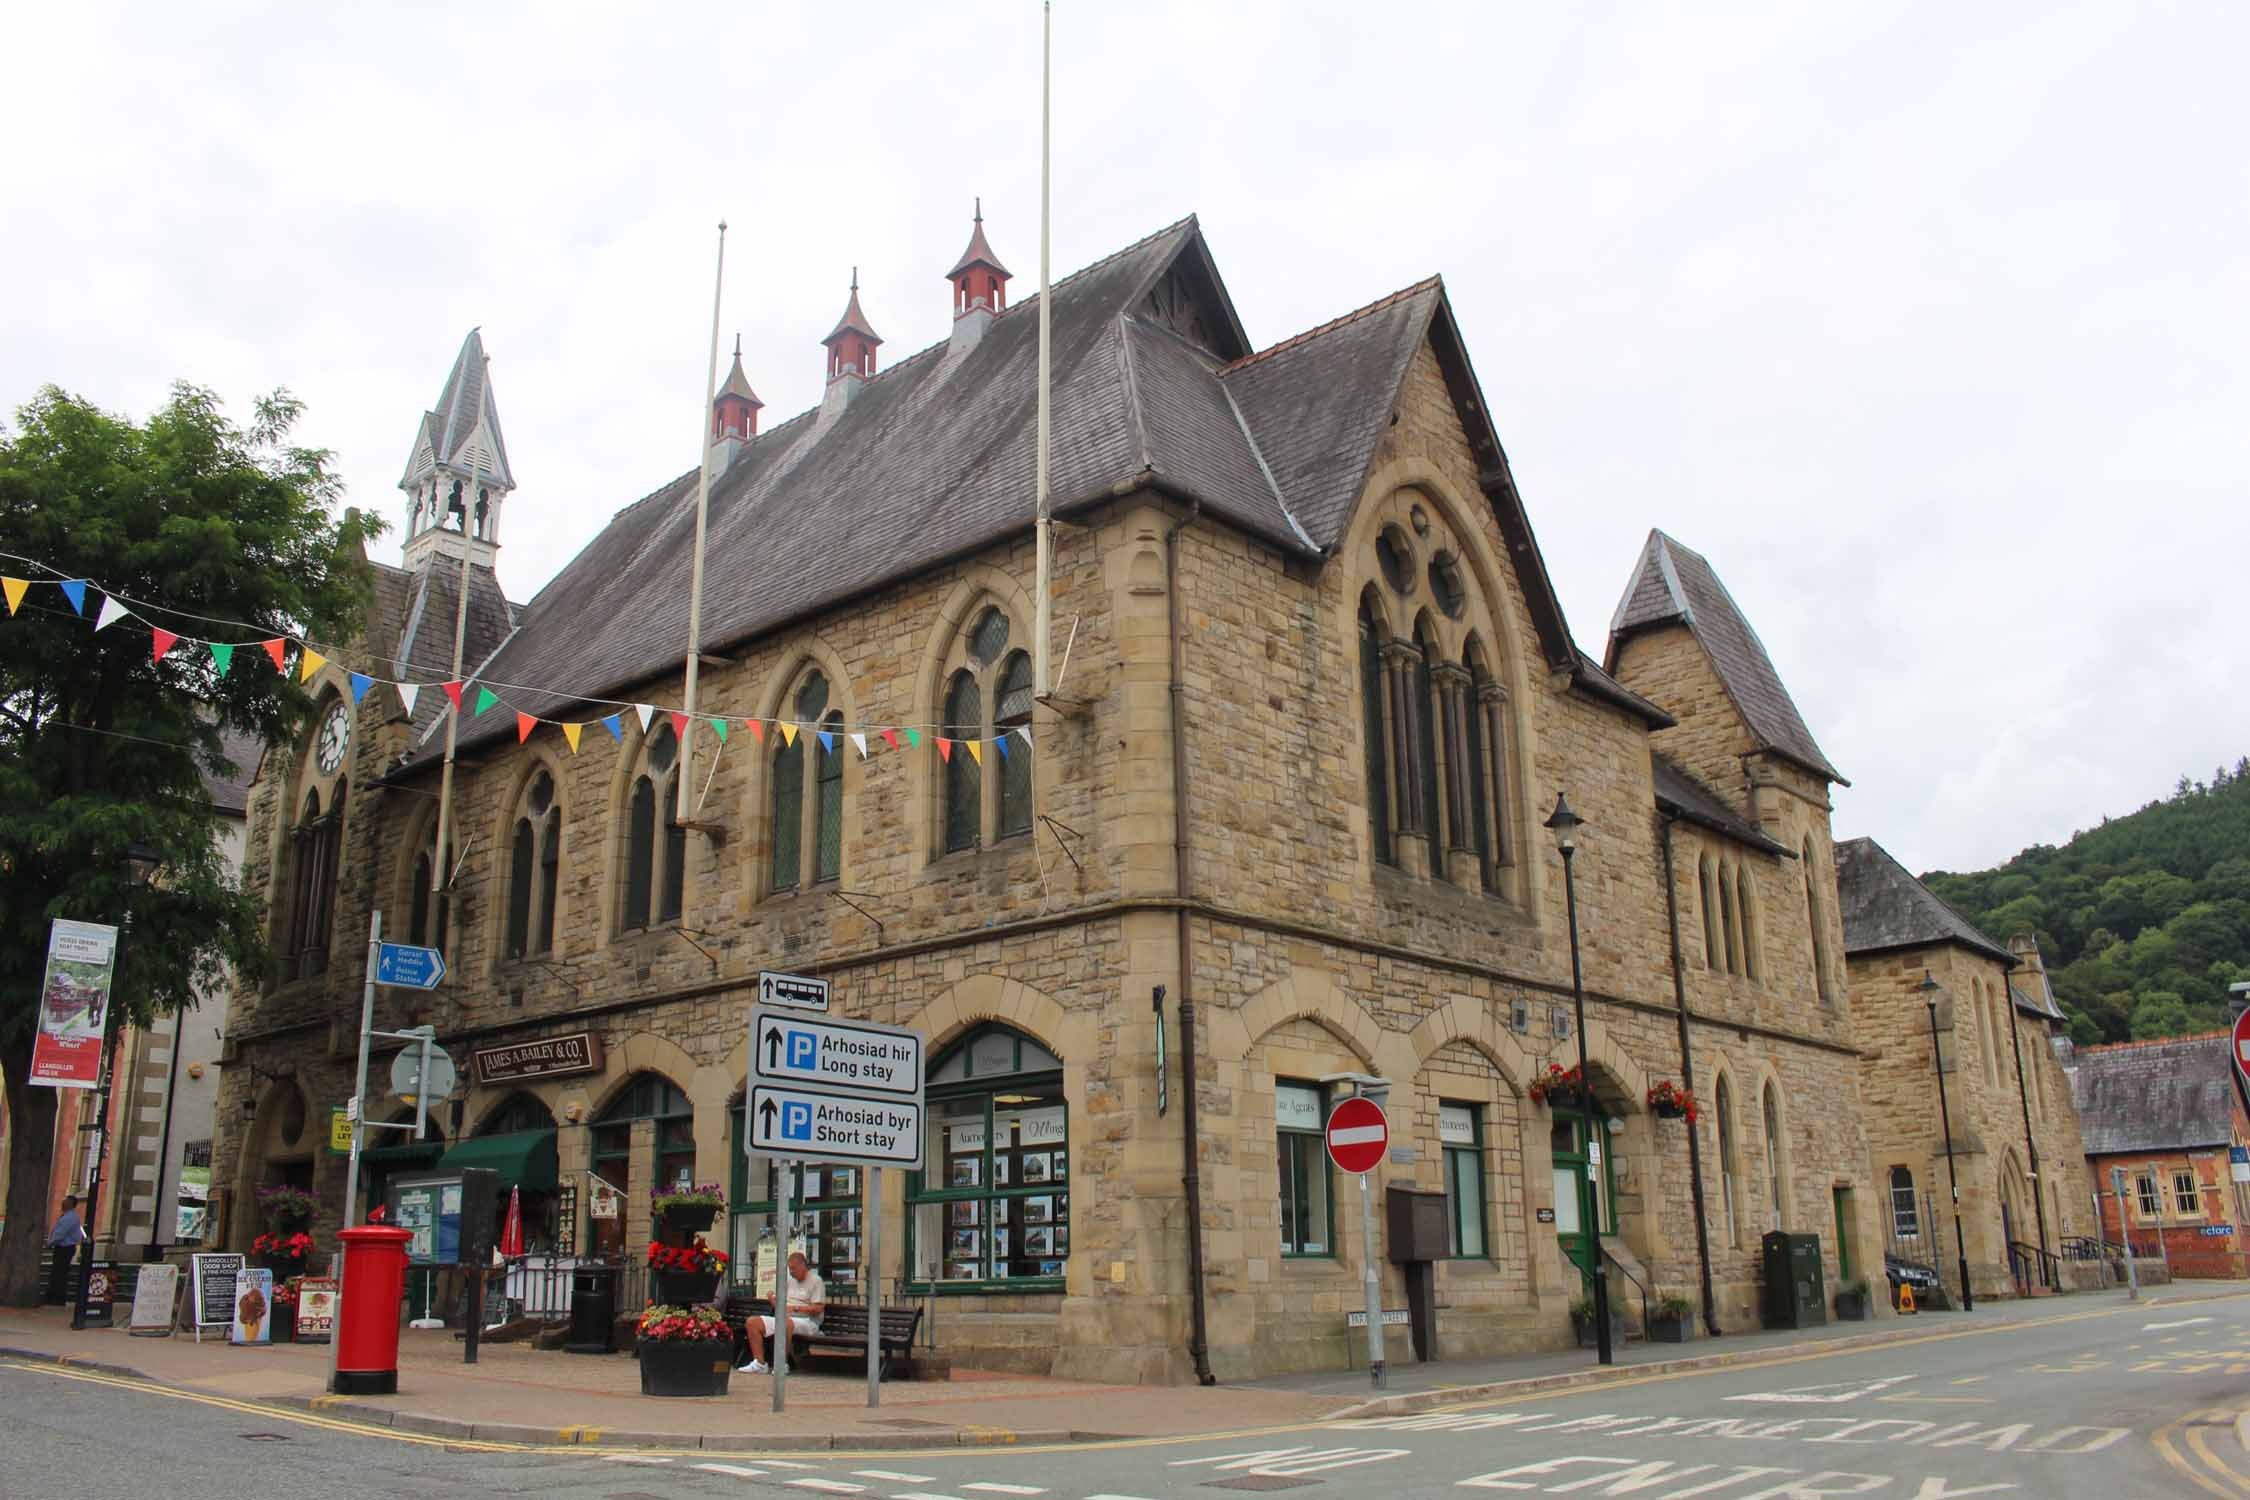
(1565, 825)
(1930, 988)
(140, 863)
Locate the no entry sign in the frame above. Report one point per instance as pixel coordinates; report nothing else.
(1358, 1135)
(2242, 1048)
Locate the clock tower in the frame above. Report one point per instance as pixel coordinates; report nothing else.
(457, 476)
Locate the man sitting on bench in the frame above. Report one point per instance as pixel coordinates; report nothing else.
(808, 1299)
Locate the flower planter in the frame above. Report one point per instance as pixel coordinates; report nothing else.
(1851, 1307)
(283, 1324)
(1564, 1099)
(283, 1266)
(1663, 1330)
(683, 1288)
(1584, 1328)
(686, 1367)
(692, 1218)
(1670, 1111)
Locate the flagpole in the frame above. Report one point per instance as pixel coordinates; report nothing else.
(702, 523)
(1041, 606)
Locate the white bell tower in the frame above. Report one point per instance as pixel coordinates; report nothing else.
(458, 477)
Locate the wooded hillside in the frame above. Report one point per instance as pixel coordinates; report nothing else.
(2144, 921)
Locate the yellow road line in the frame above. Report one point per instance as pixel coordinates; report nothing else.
(2203, 1451)
(2162, 1440)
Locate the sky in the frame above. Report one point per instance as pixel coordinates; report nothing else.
(1925, 323)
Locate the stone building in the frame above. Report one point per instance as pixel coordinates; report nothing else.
(2014, 1130)
(1282, 804)
(2166, 1112)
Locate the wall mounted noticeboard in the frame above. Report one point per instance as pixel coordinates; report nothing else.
(428, 1207)
(211, 1290)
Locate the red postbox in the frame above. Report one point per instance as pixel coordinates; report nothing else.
(367, 1324)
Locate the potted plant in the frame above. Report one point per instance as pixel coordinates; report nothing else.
(685, 1273)
(1852, 1302)
(1668, 1101)
(284, 1321)
(1558, 1087)
(1582, 1323)
(283, 1254)
(688, 1208)
(1672, 1320)
(286, 1208)
(685, 1351)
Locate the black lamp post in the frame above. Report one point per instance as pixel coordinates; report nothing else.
(1565, 825)
(1930, 989)
(141, 864)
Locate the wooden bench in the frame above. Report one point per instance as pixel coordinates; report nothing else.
(843, 1327)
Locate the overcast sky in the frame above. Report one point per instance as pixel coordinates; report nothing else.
(1925, 323)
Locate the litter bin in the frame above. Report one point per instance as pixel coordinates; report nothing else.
(593, 1310)
(1795, 1295)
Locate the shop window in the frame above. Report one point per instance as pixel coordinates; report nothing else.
(824, 1212)
(648, 1096)
(1461, 1137)
(1308, 1208)
(992, 1208)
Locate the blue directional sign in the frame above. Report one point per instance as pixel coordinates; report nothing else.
(405, 967)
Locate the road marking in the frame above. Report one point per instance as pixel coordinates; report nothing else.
(1939, 1400)
(736, 1470)
(2175, 1323)
(831, 1486)
(782, 1463)
(1115, 1497)
(1005, 1489)
(918, 1495)
(2162, 1440)
(632, 1458)
(1835, 1393)
(1971, 1379)
(889, 1474)
(1291, 1463)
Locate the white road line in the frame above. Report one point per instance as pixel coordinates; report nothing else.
(632, 1458)
(917, 1495)
(782, 1463)
(900, 1478)
(833, 1487)
(735, 1469)
(1006, 1489)
(1115, 1497)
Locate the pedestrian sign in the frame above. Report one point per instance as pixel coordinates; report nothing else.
(406, 967)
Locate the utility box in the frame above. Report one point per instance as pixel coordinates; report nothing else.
(1796, 1295)
(1415, 1225)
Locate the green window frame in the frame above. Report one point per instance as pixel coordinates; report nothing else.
(1461, 1140)
(992, 1213)
(825, 1210)
(649, 1096)
(1308, 1188)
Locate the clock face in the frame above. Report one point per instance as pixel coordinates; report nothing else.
(328, 751)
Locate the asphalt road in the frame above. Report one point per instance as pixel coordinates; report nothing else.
(2118, 1404)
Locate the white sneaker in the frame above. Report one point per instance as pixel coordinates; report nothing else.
(755, 1367)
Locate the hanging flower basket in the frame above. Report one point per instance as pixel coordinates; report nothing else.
(283, 1254)
(690, 1209)
(1559, 1088)
(1668, 1101)
(685, 1274)
(685, 1351)
(288, 1209)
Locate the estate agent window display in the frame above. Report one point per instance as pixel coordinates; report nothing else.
(824, 1207)
(991, 1212)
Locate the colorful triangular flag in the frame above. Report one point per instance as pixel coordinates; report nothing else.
(644, 711)
(859, 742)
(1002, 742)
(615, 724)
(361, 682)
(827, 741)
(976, 750)
(160, 641)
(914, 739)
(407, 693)
(1025, 731)
(486, 698)
(570, 733)
(309, 661)
(276, 649)
(945, 749)
(111, 612)
(719, 728)
(525, 723)
(679, 724)
(74, 589)
(15, 589)
(757, 729)
(789, 734)
(453, 691)
(891, 736)
(222, 656)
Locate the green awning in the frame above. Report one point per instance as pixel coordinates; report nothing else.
(523, 1158)
(412, 1154)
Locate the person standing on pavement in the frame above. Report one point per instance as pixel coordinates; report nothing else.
(62, 1242)
(808, 1299)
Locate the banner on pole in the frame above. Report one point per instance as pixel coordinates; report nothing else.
(74, 1005)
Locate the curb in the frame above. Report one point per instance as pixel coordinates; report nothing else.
(1409, 1403)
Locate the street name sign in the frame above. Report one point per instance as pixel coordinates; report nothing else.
(792, 990)
(1358, 1135)
(812, 1125)
(856, 1057)
(403, 966)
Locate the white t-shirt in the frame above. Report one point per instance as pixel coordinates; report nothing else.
(804, 1295)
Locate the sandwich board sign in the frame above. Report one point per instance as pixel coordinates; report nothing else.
(211, 1290)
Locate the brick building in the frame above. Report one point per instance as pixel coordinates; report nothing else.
(2013, 1127)
(2168, 1114)
(1285, 803)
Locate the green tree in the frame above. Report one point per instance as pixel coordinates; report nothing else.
(101, 744)
(2160, 1013)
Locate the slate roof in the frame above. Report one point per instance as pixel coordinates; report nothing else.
(1884, 906)
(447, 438)
(1680, 794)
(2154, 1096)
(2035, 1000)
(932, 459)
(1672, 585)
(230, 791)
(418, 628)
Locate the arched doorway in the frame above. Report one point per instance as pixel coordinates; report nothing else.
(1585, 1181)
(667, 1161)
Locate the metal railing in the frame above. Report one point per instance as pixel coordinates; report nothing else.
(1637, 1282)
(2032, 1266)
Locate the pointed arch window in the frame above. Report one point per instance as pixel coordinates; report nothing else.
(1748, 912)
(656, 844)
(1819, 926)
(1730, 1175)
(1485, 712)
(993, 1205)
(1376, 732)
(316, 853)
(1777, 1179)
(988, 697)
(808, 801)
(1714, 951)
(1427, 753)
(426, 906)
(533, 870)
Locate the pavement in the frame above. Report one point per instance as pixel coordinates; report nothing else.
(516, 1395)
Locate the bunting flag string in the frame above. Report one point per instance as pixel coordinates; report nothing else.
(114, 609)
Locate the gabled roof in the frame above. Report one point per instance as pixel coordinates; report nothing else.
(1684, 797)
(2034, 1000)
(462, 434)
(1672, 585)
(2155, 1096)
(1885, 907)
(1153, 384)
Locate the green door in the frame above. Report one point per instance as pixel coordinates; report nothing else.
(1583, 1191)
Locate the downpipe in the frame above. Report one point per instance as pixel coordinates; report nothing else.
(1199, 1347)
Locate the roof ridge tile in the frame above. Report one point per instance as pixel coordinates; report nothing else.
(1332, 324)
